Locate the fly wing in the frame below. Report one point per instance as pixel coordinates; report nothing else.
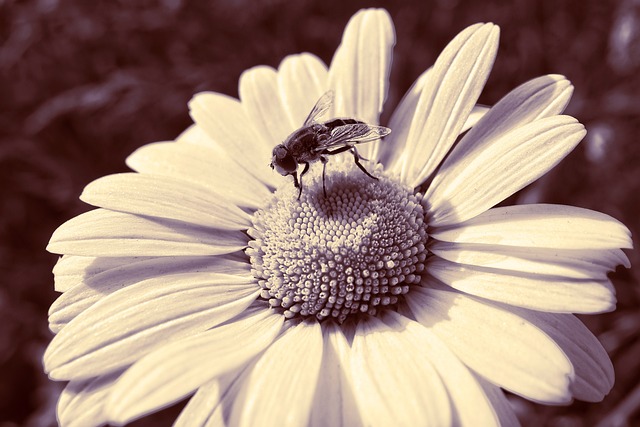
(352, 134)
(321, 107)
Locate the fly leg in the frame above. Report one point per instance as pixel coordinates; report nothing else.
(324, 161)
(297, 183)
(356, 157)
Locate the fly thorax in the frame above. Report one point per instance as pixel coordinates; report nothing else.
(356, 250)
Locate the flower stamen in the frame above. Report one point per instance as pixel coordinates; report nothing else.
(359, 248)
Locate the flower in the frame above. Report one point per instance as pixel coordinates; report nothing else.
(408, 299)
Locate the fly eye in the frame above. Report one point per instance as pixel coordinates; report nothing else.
(287, 163)
(282, 161)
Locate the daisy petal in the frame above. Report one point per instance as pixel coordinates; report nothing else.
(107, 233)
(393, 146)
(540, 226)
(175, 370)
(217, 409)
(514, 160)
(386, 378)
(359, 71)
(536, 99)
(451, 91)
(226, 122)
(535, 291)
(573, 263)
(261, 101)
(471, 405)
(72, 269)
(193, 135)
(81, 402)
(198, 411)
(123, 326)
(334, 400)
(164, 197)
(496, 343)
(281, 376)
(302, 80)
(211, 405)
(400, 122)
(593, 368)
(206, 166)
(478, 112)
(106, 278)
(500, 404)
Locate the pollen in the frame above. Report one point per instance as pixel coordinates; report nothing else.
(354, 251)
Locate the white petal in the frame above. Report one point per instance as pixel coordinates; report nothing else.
(485, 177)
(359, 71)
(261, 101)
(200, 407)
(334, 400)
(496, 343)
(165, 197)
(279, 390)
(452, 89)
(194, 135)
(104, 277)
(212, 404)
(536, 99)
(541, 226)
(535, 291)
(206, 166)
(175, 370)
(107, 233)
(72, 269)
(500, 403)
(81, 402)
(226, 122)
(393, 145)
(391, 386)
(360, 68)
(123, 326)
(471, 405)
(478, 112)
(302, 80)
(593, 368)
(573, 263)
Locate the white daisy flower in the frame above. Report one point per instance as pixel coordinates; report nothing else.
(402, 299)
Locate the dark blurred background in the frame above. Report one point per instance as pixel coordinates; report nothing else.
(83, 84)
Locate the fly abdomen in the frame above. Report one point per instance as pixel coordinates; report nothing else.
(332, 124)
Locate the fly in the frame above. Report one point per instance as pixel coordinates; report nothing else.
(316, 141)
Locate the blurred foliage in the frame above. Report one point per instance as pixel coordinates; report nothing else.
(82, 84)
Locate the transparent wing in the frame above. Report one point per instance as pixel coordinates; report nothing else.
(353, 134)
(321, 107)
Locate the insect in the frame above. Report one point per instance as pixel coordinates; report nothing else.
(316, 141)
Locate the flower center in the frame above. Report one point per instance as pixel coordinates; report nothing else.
(360, 247)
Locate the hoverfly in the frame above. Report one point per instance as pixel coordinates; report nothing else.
(316, 141)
